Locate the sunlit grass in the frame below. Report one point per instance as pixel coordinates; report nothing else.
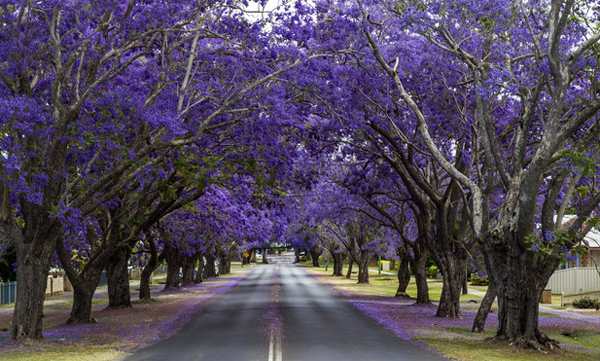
(479, 349)
(384, 284)
(66, 353)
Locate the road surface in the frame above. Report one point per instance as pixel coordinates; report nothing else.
(279, 313)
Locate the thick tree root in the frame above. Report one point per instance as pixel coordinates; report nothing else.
(540, 342)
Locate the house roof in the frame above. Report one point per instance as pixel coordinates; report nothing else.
(592, 238)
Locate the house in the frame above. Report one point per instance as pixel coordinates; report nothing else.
(592, 257)
(592, 242)
(579, 275)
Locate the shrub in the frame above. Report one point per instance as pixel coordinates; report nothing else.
(479, 281)
(432, 271)
(586, 302)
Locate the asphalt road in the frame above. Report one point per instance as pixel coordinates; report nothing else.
(280, 313)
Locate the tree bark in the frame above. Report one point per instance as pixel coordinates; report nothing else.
(338, 264)
(418, 267)
(484, 309)
(520, 278)
(403, 277)
(188, 270)
(453, 269)
(119, 295)
(211, 270)
(350, 264)
(264, 256)
(146, 275)
(173, 260)
(83, 295)
(33, 265)
(314, 255)
(363, 267)
(224, 264)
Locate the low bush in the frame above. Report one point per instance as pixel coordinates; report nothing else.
(587, 303)
(432, 271)
(479, 281)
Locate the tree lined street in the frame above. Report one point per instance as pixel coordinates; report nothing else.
(455, 142)
(308, 314)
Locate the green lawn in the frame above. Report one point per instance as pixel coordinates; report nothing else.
(66, 353)
(486, 350)
(385, 284)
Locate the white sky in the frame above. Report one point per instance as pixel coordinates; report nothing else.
(257, 12)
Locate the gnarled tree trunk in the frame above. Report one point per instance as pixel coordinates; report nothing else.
(403, 277)
(418, 267)
(173, 260)
(338, 264)
(33, 265)
(363, 267)
(484, 309)
(83, 295)
(453, 269)
(520, 277)
(188, 270)
(147, 271)
(350, 264)
(224, 264)
(119, 295)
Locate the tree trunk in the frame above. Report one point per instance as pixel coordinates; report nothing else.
(314, 255)
(33, 265)
(403, 277)
(146, 275)
(173, 265)
(224, 265)
(188, 270)
(264, 256)
(484, 309)
(418, 267)
(338, 264)
(520, 277)
(211, 270)
(83, 294)
(200, 270)
(453, 269)
(465, 285)
(363, 268)
(296, 255)
(350, 264)
(119, 295)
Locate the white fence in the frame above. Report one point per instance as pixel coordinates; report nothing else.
(575, 280)
(55, 285)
